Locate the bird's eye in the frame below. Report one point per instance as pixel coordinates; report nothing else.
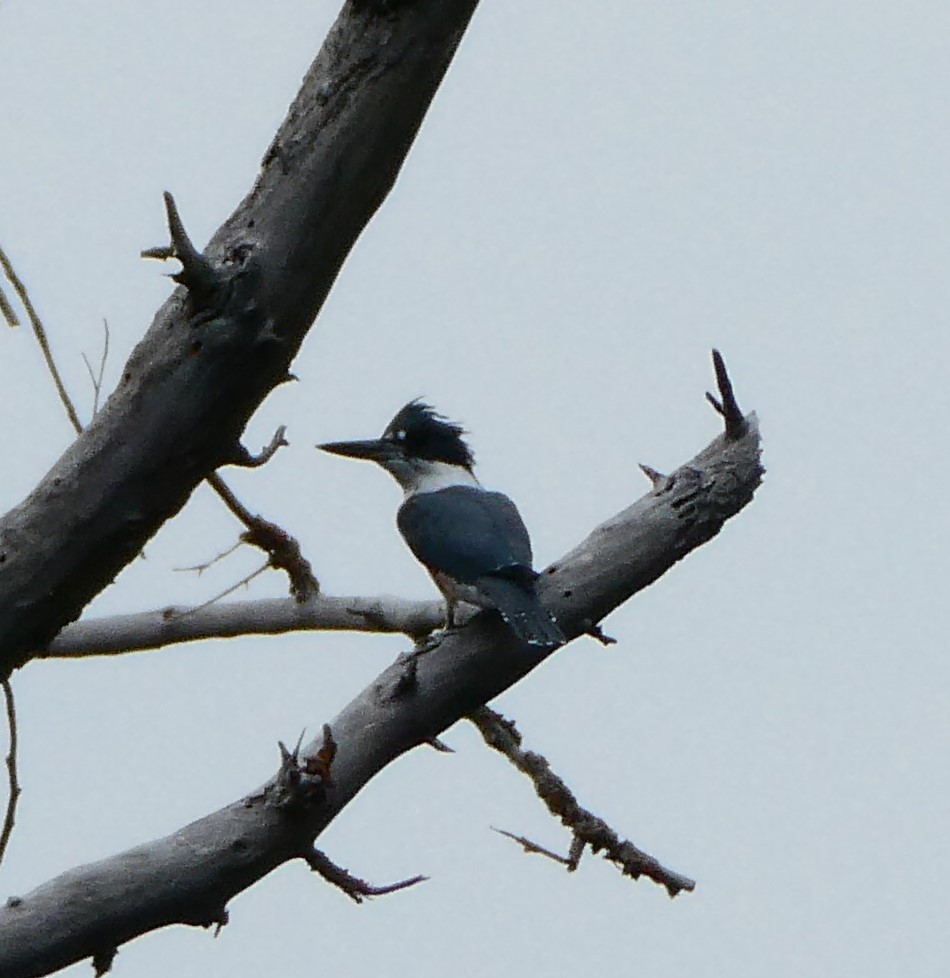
(400, 435)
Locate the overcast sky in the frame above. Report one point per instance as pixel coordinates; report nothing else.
(600, 193)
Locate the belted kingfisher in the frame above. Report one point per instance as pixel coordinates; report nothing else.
(472, 541)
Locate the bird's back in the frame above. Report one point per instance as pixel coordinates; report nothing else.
(466, 532)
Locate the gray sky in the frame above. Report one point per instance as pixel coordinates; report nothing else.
(595, 200)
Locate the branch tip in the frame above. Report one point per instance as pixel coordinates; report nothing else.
(439, 745)
(728, 407)
(586, 827)
(575, 853)
(220, 921)
(356, 889)
(656, 477)
(248, 460)
(532, 848)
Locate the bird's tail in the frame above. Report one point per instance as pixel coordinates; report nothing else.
(522, 611)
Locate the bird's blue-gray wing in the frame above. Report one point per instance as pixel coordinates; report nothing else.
(466, 532)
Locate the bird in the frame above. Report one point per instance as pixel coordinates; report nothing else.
(471, 540)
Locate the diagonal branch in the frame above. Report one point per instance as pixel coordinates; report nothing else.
(7, 310)
(226, 337)
(39, 331)
(190, 876)
(587, 828)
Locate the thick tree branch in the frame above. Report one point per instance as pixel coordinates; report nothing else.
(189, 876)
(226, 336)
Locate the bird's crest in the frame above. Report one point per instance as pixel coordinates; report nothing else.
(424, 433)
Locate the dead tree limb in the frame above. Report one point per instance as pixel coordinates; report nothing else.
(191, 875)
(587, 828)
(13, 780)
(225, 338)
(144, 630)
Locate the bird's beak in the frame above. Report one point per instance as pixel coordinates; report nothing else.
(374, 449)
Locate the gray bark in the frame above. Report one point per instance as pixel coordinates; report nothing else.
(211, 355)
(139, 631)
(189, 876)
(215, 350)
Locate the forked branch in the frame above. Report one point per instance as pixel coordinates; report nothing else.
(191, 876)
(586, 828)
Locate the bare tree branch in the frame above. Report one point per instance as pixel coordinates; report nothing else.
(587, 829)
(248, 461)
(96, 376)
(12, 779)
(535, 849)
(7, 310)
(282, 548)
(189, 876)
(39, 331)
(145, 630)
(226, 337)
(230, 589)
(356, 889)
(728, 407)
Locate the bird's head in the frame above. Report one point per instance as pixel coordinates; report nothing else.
(419, 444)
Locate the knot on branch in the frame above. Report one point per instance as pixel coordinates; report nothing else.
(102, 961)
(284, 553)
(401, 677)
(301, 782)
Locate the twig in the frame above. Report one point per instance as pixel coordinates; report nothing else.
(533, 847)
(7, 311)
(234, 587)
(587, 828)
(199, 569)
(356, 889)
(40, 333)
(439, 745)
(657, 478)
(282, 549)
(728, 407)
(247, 460)
(97, 378)
(15, 789)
